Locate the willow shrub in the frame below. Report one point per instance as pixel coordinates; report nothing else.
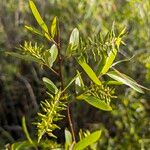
(98, 91)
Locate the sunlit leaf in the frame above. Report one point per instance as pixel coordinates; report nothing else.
(113, 82)
(51, 55)
(54, 53)
(73, 41)
(68, 138)
(47, 36)
(87, 141)
(50, 85)
(74, 37)
(91, 74)
(122, 32)
(54, 27)
(116, 75)
(94, 101)
(38, 16)
(109, 60)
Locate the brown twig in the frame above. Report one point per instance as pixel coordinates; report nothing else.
(62, 79)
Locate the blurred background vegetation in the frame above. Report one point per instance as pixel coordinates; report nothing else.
(21, 89)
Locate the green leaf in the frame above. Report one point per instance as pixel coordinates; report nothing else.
(54, 27)
(50, 85)
(74, 37)
(73, 41)
(33, 30)
(116, 75)
(94, 101)
(25, 145)
(72, 80)
(79, 80)
(38, 16)
(88, 140)
(112, 82)
(120, 61)
(47, 58)
(51, 55)
(89, 71)
(123, 32)
(109, 60)
(26, 131)
(101, 64)
(47, 36)
(68, 139)
(24, 57)
(79, 85)
(54, 53)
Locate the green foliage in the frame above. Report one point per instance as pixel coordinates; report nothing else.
(54, 27)
(25, 145)
(89, 71)
(26, 131)
(125, 80)
(88, 140)
(50, 85)
(38, 16)
(43, 57)
(68, 139)
(73, 42)
(95, 54)
(94, 101)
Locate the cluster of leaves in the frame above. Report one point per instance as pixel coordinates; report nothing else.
(52, 107)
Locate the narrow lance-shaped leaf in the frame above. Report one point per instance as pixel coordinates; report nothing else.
(47, 36)
(112, 82)
(89, 71)
(123, 32)
(38, 16)
(24, 57)
(109, 60)
(94, 101)
(33, 30)
(72, 80)
(26, 131)
(50, 85)
(116, 75)
(112, 54)
(54, 27)
(87, 141)
(121, 61)
(101, 64)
